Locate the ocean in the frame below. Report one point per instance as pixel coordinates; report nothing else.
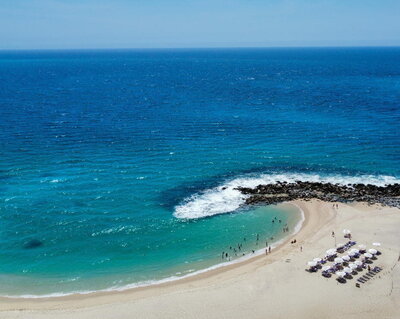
(118, 168)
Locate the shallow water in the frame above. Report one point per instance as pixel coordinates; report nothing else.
(123, 164)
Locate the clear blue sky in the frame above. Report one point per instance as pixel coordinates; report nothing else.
(61, 24)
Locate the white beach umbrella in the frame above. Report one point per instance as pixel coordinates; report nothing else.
(372, 251)
(347, 270)
(346, 258)
(312, 263)
(325, 268)
(317, 260)
(368, 255)
(362, 247)
(340, 245)
(338, 260)
(340, 273)
(353, 266)
(358, 263)
(346, 231)
(376, 244)
(331, 252)
(354, 250)
(351, 253)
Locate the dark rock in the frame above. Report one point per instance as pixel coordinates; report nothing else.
(279, 192)
(33, 243)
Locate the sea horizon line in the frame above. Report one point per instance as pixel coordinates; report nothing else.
(201, 48)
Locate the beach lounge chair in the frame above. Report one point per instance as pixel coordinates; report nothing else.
(377, 269)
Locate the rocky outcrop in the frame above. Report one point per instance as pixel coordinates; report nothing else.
(282, 191)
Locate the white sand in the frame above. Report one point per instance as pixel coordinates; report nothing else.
(273, 286)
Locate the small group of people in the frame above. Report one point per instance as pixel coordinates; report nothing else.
(235, 250)
(276, 219)
(285, 229)
(294, 241)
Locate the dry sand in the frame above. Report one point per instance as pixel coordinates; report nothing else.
(273, 286)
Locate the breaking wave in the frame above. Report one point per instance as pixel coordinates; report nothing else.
(226, 199)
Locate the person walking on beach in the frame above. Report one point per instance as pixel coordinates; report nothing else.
(301, 248)
(269, 249)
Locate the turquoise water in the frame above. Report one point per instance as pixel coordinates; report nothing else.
(121, 165)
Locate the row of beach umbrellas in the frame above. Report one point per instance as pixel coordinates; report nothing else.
(339, 260)
(353, 251)
(346, 270)
(349, 269)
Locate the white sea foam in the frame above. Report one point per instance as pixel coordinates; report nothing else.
(114, 230)
(46, 180)
(225, 198)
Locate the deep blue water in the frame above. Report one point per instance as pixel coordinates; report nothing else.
(106, 157)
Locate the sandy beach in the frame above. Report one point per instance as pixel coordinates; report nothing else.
(272, 286)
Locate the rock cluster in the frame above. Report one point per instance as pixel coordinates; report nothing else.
(282, 191)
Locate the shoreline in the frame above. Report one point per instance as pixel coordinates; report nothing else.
(261, 286)
(201, 275)
(172, 279)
